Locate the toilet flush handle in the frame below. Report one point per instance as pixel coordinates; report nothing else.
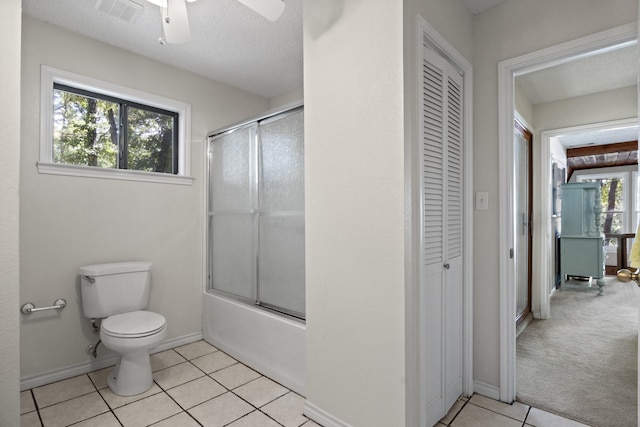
(89, 279)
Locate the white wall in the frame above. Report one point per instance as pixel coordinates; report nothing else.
(509, 30)
(558, 152)
(295, 95)
(9, 219)
(595, 108)
(68, 221)
(451, 20)
(354, 210)
(523, 105)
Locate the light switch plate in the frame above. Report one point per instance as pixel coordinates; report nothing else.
(482, 201)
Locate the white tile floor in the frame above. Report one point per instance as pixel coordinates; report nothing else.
(198, 385)
(480, 411)
(194, 385)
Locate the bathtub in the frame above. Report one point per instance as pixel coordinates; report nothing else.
(272, 345)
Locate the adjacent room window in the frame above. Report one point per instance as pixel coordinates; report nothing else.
(99, 129)
(616, 217)
(90, 129)
(635, 179)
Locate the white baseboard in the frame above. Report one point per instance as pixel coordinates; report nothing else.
(178, 341)
(109, 359)
(487, 390)
(60, 374)
(321, 416)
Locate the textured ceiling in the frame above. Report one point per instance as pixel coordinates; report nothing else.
(479, 6)
(598, 73)
(229, 42)
(232, 44)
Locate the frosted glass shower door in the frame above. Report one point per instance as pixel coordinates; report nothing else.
(281, 235)
(231, 214)
(256, 213)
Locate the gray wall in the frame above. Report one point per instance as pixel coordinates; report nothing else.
(9, 219)
(354, 210)
(599, 107)
(72, 221)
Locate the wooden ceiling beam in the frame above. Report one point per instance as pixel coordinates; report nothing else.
(593, 150)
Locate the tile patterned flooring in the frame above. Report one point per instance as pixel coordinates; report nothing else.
(480, 411)
(194, 385)
(198, 385)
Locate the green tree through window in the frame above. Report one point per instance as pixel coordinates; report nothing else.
(95, 130)
(612, 202)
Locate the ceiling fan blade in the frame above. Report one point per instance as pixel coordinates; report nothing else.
(270, 9)
(175, 22)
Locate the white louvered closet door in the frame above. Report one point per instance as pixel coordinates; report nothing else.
(441, 237)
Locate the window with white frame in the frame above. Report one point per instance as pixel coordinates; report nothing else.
(98, 129)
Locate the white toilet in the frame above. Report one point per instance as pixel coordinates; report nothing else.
(118, 293)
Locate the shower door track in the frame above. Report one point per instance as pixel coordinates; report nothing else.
(292, 315)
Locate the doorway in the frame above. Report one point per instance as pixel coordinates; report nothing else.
(542, 272)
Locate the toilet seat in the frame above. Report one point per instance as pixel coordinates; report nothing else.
(136, 324)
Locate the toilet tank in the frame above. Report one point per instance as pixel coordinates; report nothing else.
(115, 288)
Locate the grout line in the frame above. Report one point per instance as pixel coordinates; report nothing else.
(180, 406)
(256, 408)
(201, 370)
(497, 413)
(271, 401)
(182, 412)
(105, 402)
(524, 422)
(66, 400)
(466, 402)
(244, 416)
(95, 416)
(35, 403)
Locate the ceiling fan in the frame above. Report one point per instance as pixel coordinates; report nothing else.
(175, 22)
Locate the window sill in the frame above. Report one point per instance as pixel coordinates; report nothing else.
(120, 174)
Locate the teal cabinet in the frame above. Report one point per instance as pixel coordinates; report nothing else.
(581, 241)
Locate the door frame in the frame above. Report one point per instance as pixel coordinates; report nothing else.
(522, 127)
(507, 71)
(426, 33)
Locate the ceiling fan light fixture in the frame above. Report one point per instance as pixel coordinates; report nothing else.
(175, 22)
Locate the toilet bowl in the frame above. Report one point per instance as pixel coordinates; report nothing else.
(132, 335)
(118, 294)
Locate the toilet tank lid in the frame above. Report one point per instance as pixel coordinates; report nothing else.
(114, 268)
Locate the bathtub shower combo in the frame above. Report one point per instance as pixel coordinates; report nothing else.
(254, 306)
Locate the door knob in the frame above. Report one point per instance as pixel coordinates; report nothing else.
(626, 276)
(447, 266)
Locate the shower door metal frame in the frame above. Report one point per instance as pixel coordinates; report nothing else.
(255, 163)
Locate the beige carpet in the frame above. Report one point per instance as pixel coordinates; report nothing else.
(582, 363)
